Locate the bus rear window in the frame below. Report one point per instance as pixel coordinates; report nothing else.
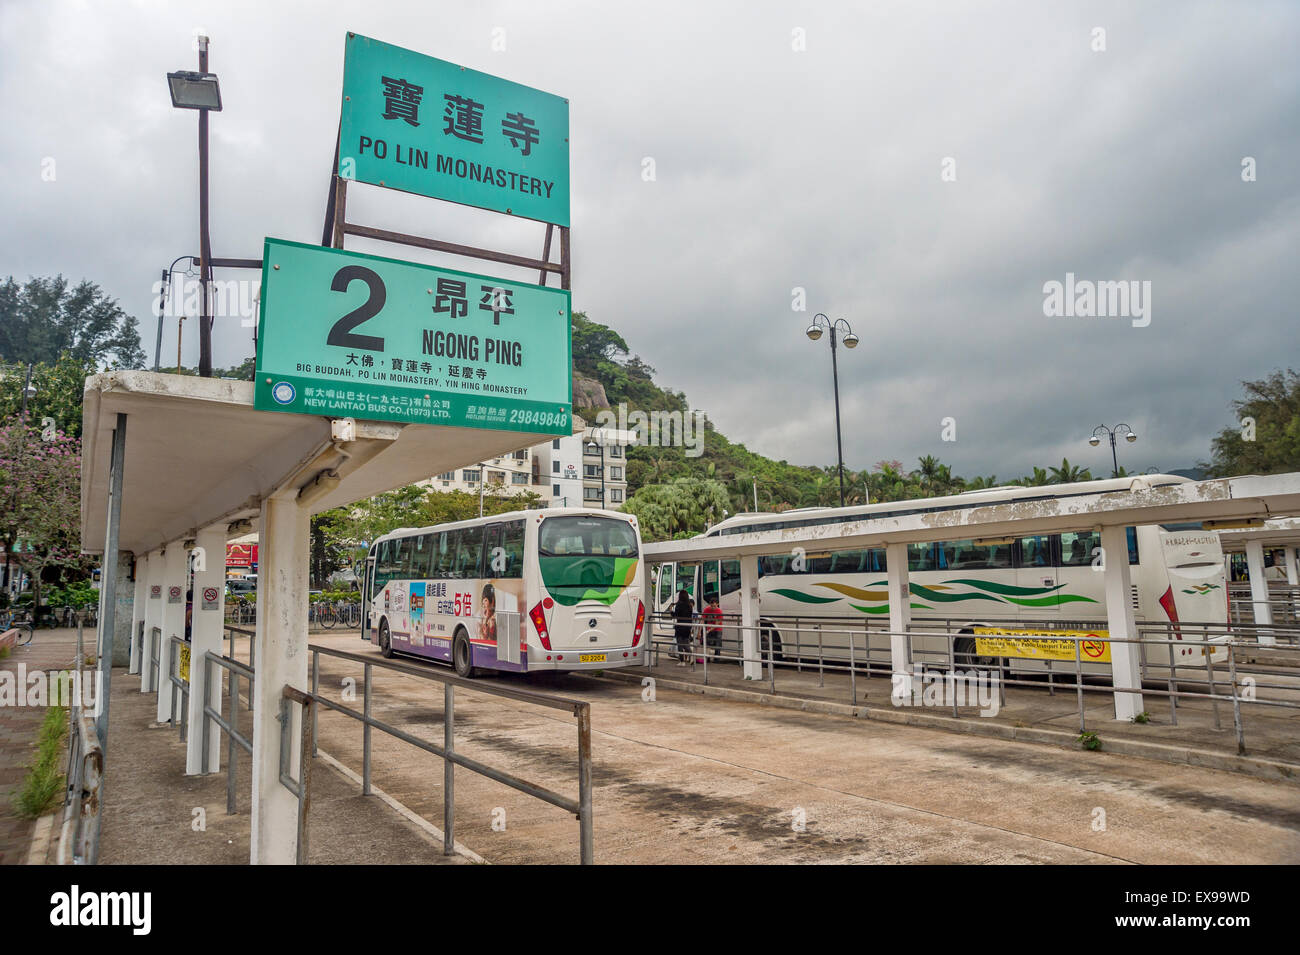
(586, 537)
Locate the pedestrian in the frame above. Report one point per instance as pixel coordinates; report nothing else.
(683, 611)
(713, 627)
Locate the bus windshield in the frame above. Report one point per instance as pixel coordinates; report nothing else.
(586, 558)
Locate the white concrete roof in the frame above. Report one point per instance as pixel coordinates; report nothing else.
(1279, 532)
(1113, 503)
(197, 454)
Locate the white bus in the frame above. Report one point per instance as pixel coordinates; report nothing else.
(1036, 581)
(555, 589)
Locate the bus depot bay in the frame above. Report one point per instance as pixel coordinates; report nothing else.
(1036, 582)
(554, 589)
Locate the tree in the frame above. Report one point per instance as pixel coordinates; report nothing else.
(682, 508)
(44, 318)
(1266, 438)
(40, 493)
(1068, 473)
(59, 389)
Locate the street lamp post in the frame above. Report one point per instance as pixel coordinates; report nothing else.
(1112, 433)
(202, 92)
(814, 331)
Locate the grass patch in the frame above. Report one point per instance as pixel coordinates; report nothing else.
(1090, 741)
(43, 788)
(4, 652)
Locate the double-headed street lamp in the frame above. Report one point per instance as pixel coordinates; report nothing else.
(1120, 429)
(202, 92)
(814, 331)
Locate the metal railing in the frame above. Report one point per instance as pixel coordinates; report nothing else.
(313, 701)
(79, 835)
(155, 641)
(1236, 677)
(180, 687)
(1283, 602)
(230, 727)
(581, 807)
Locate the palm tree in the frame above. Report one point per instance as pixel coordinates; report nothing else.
(1068, 473)
(980, 483)
(1037, 479)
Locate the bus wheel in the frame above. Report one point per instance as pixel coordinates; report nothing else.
(964, 655)
(385, 640)
(770, 635)
(462, 654)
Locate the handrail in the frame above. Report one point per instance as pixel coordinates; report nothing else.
(581, 807)
(179, 685)
(79, 836)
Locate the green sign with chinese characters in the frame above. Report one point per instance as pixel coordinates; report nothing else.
(343, 334)
(423, 125)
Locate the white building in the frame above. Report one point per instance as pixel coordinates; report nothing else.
(588, 469)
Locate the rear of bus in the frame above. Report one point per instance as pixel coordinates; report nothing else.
(585, 609)
(1195, 591)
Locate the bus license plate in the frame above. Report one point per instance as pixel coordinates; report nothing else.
(591, 658)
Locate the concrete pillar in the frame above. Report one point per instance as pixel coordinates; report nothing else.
(1292, 575)
(206, 632)
(281, 659)
(1259, 589)
(138, 607)
(124, 596)
(153, 616)
(1124, 657)
(175, 570)
(749, 617)
(900, 621)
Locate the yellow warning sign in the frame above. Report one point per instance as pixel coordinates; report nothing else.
(1043, 644)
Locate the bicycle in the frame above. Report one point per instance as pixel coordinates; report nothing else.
(21, 621)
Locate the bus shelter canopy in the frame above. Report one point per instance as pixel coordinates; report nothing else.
(198, 454)
(1115, 502)
(1281, 532)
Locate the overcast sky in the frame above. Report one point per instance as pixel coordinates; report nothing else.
(776, 168)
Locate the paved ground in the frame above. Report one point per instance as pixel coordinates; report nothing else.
(150, 805)
(1272, 733)
(695, 779)
(50, 650)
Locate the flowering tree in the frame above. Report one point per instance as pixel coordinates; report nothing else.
(40, 501)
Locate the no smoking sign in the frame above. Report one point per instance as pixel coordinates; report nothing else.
(210, 595)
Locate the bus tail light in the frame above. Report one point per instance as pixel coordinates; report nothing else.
(640, 623)
(539, 624)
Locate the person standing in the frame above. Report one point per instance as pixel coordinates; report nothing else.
(683, 611)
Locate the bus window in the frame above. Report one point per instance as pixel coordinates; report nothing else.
(444, 554)
(819, 563)
(384, 570)
(421, 551)
(665, 585)
(513, 542)
(875, 562)
(920, 557)
(402, 557)
(1132, 534)
(847, 561)
(492, 549)
(1077, 547)
(730, 577)
(1036, 551)
(469, 552)
(967, 555)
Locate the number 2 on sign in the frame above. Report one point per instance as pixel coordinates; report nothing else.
(341, 333)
